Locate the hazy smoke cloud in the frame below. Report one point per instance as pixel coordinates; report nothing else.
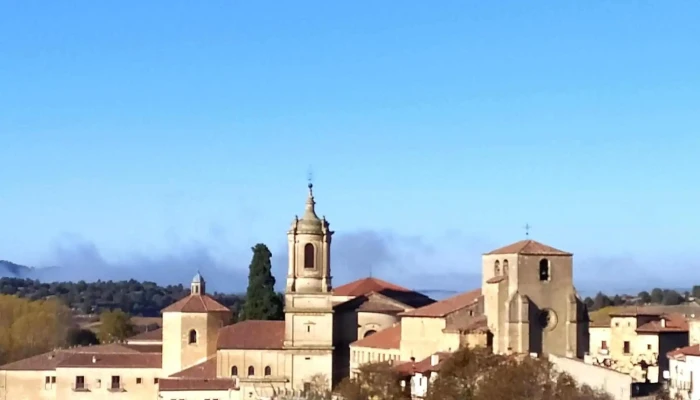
(452, 263)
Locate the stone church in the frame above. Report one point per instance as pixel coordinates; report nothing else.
(526, 304)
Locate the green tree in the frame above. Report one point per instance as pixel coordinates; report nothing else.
(644, 297)
(115, 326)
(374, 381)
(617, 300)
(81, 337)
(671, 298)
(261, 302)
(601, 301)
(657, 296)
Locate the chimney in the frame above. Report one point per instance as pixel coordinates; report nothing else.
(94, 359)
(434, 360)
(663, 322)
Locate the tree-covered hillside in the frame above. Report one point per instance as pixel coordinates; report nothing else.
(136, 298)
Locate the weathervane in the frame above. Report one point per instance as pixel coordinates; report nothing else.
(310, 177)
(527, 230)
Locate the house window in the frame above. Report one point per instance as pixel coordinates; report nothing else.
(307, 387)
(370, 332)
(626, 347)
(234, 371)
(138, 381)
(309, 256)
(496, 268)
(268, 371)
(116, 383)
(544, 270)
(79, 382)
(155, 381)
(192, 337)
(649, 347)
(604, 345)
(505, 267)
(251, 371)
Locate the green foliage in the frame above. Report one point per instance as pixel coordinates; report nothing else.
(374, 381)
(477, 374)
(671, 298)
(30, 327)
(136, 298)
(261, 302)
(601, 301)
(115, 326)
(657, 296)
(81, 337)
(644, 297)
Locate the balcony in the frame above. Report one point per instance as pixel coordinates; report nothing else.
(116, 387)
(80, 387)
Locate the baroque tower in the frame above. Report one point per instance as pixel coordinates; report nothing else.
(308, 302)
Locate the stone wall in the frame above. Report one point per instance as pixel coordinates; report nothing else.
(617, 384)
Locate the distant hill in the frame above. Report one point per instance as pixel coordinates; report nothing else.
(12, 270)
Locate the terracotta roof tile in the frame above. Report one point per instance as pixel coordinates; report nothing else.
(50, 360)
(530, 247)
(262, 335)
(196, 304)
(421, 367)
(389, 338)
(173, 385)
(364, 286)
(204, 370)
(112, 360)
(145, 348)
(673, 323)
(155, 335)
(447, 306)
(693, 350)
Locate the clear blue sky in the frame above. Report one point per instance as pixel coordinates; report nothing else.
(145, 128)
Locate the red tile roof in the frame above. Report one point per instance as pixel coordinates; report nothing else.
(258, 335)
(173, 385)
(204, 370)
(530, 248)
(421, 367)
(389, 338)
(132, 360)
(673, 323)
(447, 306)
(365, 286)
(195, 303)
(51, 360)
(693, 350)
(155, 335)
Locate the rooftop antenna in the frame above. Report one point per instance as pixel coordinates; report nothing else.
(527, 230)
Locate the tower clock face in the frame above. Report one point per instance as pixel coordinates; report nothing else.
(547, 319)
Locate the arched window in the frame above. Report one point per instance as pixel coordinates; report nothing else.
(251, 371)
(192, 337)
(234, 371)
(370, 332)
(268, 371)
(309, 256)
(544, 270)
(505, 267)
(496, 268)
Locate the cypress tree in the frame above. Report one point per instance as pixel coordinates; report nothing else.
(261, 302)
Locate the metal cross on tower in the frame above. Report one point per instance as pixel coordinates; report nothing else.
(527, 230)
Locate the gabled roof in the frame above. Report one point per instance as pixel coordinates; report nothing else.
(53, 359)
(389, 338)
(195, 303)
(252, 335)
(373, 302)
(363, 287)
(366, 285)
(155, 335)
(203, 370)
(693, 350)
(421, 367)
(530, 248)
(112, 360)
(447, 306)
(671, 323)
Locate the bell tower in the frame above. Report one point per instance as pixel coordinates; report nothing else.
(308, 305)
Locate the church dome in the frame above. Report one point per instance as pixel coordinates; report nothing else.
(310, 222)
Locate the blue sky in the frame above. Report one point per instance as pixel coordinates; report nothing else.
(177, 134)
